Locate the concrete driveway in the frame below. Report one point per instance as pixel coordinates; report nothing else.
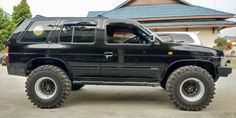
(110, 101)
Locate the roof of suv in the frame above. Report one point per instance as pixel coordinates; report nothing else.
(99, 17)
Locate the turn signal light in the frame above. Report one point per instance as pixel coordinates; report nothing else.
(6, 49)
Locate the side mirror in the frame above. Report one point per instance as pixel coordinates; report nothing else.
(153, 39)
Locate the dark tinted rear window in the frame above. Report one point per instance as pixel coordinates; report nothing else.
(38, 32)
(66, 34)
(79, 34)
(84, 34)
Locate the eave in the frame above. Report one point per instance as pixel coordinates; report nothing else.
(181, 18)
(190, 23)
(192, 26)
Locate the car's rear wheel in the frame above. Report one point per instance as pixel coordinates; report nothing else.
(190, 88)
(48, 86)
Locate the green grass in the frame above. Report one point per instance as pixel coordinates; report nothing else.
(232, 64)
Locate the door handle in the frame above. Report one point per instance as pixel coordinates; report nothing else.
(108, 54)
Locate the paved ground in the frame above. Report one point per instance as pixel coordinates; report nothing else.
(110, 101)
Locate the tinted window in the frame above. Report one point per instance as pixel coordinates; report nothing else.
(125, 34)
(66, 34)
(81, 34)
(84, 34)
(120, 36)
(182, 37)
(38, 32)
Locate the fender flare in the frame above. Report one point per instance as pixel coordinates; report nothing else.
(186, 60)
(48, 58)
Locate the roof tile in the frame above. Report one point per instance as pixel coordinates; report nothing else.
(160, 10)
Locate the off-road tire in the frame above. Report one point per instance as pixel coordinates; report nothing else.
(182, 74)
(163, 85)
(61, 79)
(76, 87)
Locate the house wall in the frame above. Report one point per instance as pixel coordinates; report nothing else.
(206, 35)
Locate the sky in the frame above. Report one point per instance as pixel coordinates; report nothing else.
(80, 8)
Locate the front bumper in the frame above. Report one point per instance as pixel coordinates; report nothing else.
(224, 71)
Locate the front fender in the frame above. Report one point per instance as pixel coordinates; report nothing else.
(207, 65)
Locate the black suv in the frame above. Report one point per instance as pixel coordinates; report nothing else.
(60, 54)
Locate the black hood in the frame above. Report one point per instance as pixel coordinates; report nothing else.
(201, 50)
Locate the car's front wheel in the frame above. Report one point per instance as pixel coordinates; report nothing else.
(48, 86)
(190, 88)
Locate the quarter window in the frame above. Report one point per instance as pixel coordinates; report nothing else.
(38, 32)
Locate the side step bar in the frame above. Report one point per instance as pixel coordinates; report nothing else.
(153, 84)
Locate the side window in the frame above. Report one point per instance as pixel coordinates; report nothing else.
(118, 33)
(182, 37)
(84, 34)
(66, 34)
(121, 36)
(78, 34)
(38, 32)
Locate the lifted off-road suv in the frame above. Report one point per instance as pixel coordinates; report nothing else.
(63, 54)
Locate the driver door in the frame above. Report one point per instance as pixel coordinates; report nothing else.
(128, 55)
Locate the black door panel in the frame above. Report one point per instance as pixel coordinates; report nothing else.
(82, 60)
(132, 62)
(132, 54)
(78, 47)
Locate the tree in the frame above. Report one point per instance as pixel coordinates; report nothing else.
(21, 12)
(223, 44)
(6, 28)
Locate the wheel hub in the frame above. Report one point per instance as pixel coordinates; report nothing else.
(45, 87)
(192, 89)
